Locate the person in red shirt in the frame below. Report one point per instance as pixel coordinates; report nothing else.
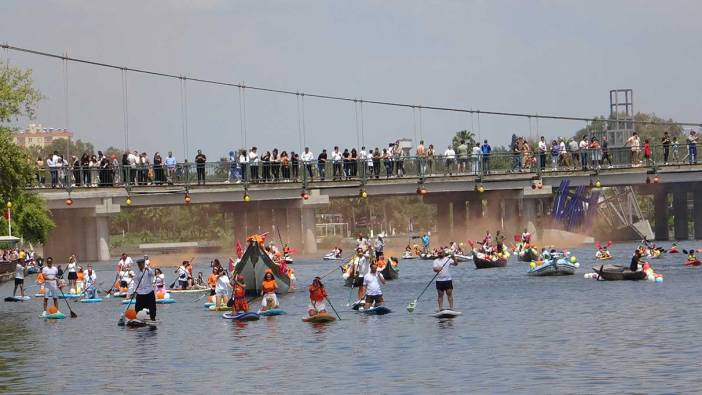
(318, 296)
(647, 152)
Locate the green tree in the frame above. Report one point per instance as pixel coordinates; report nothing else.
(463, 135)
(18, 99)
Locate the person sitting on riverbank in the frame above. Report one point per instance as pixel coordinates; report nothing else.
(318, 296)
(239, 304)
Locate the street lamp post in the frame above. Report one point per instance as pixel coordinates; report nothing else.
(9, 218)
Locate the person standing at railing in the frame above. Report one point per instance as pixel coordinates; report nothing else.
(422, 157)
(266, 161)
(542, 153)
(595, 153)
(295, 165)
(475, 158)
(285, 165)
(363, 162)
(376, 162)
(336, 164)
(516, 153)
(41, 179)
(676, 146)
(307, 159)
(635, 144)
(322, 164)
(572, 157)
(275, 165)
(243, 162)
(399, 158)
(159, 179)
(692, 147)
(115, 171)
(253, 164)
(171, 167)
(132, 164)
(200, 161)
(77, 178)
(144, 167)
(354, 162)
(665, 140)
(450, 158)
(462, 152)
(605, 151)
(555, 154)
(233, 168)
(584, 145)
(647, 153)
(346, 157)
(51, 164)
(486, 150)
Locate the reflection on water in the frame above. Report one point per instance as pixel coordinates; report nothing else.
(516, 334)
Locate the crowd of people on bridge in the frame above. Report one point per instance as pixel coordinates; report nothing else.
(396, 160)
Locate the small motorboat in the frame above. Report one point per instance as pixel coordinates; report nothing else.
(555, 267)
(332, 257)
(618, 273)
(488, 263)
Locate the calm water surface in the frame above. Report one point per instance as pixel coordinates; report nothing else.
(517, 334)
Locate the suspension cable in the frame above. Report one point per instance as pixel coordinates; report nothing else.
(125, 109)
(66, 107)
(242, 113)
(329, 97)
(299, 122)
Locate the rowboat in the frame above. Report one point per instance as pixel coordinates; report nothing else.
(482, 263)
(617, 273)
(559, 267)
(391, 271)
(253, 266)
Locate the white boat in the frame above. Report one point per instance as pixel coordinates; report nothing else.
(559, 267)
(332, 257)
(409, 255)
(463, 258)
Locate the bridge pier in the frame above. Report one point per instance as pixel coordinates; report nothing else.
(660, 204)
(475, 210)
(458, 217)
(680, 213)
(697, 209)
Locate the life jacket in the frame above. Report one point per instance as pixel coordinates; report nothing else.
(80, 276)
(239, 291)
(317, 294)
(212, 280)
(40, 278)
(269, 286)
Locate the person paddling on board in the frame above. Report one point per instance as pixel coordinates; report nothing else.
(240, 304)
(212, 282)
(444, 283)
(360, 266)
(183, 275)
(50, 273)
(90, 288)
(221, 288)
(159, 281)
(691, 258)
(145, 295)
(125, 262)
(318, 296)
(20, 268)
(268, 288)
(371, 282)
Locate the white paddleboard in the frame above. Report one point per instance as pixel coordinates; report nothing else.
(447, 314)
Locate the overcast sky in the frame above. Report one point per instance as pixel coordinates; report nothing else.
(546, 57)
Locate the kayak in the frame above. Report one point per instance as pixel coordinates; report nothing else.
(16, 298)
(56, 316)
(319, 318)
(604, 258)
(271, 312)
(409, 256)
(248, 316)
(91, 300)
(618, 273)
(696, 262)
(158, 301)
(447, 314)
(331, 257)
(378, 310)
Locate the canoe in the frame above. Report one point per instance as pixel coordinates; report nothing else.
(378, 310)
(253, 266)
(319, 318)
(687, 263)
(248, 316)
(17, 298)
(446, 313)
(271, 312)
(481, 263)
(559, 267)
(618, 273)
(463, 258)
(56, 316)
(91, 300)
(390, 271)
(158, 301)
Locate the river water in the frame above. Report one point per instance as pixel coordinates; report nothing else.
(517, 335)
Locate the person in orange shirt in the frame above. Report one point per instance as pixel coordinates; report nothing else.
(268, 288)
(212, 282)
(239, 295)
(318, 296)
(79, 281)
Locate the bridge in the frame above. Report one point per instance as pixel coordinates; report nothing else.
(462, 198)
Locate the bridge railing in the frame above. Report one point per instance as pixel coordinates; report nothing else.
(366, 171)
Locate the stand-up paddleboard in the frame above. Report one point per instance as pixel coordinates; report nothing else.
(91, 300)
(319, 318)
(358, 304)
(379, 310)
(69, 296)
(17, 298)
(271, 312)
(151, 325)
(158, 301)
(220, 308)
(56, 316)
(249, 316)
(447, 314)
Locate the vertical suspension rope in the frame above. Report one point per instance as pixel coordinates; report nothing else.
(182, 118)
(242, 113)
(414, 126)
(299, 123)
(304, 130)
(472, 123)
(480, 137)
(363, 130)
(185, 112)
(125, 109)
(66, 106)
(421, 124)
(357, 127)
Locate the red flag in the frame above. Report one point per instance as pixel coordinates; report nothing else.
(231, 265)
(282, 267)
(239, 250)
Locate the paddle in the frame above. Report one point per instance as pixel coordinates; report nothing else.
(332, 306)
(412, 305)
(176, 279)
(73, 314)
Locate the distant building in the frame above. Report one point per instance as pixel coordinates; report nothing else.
(36, 135)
